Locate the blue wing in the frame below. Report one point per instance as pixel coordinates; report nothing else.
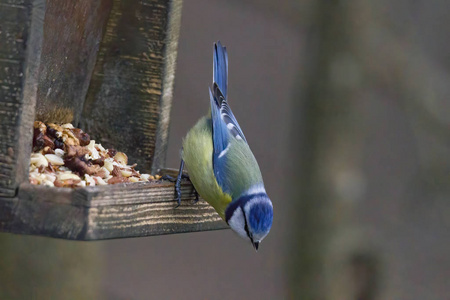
(221, 135)
(220, 87)
(227, 115)
(221, 141)
(225, 125)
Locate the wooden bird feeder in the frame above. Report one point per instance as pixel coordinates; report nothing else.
(106, 66)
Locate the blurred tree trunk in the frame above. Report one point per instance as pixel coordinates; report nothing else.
(331, 258)
(44, 268)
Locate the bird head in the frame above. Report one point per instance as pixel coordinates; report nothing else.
(251, 217)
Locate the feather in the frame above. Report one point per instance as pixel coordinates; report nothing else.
(220, 71)
(227, 115)
(226, 132)
(221, 142)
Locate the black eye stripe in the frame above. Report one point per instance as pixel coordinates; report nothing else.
(246, 226)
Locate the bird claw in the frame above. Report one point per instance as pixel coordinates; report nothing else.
(168, 178)
(178, 184)
(178, 192)
(173, 179)
(196, 196)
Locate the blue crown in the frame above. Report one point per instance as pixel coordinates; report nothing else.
(260, 217)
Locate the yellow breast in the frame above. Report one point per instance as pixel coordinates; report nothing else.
(197, 155)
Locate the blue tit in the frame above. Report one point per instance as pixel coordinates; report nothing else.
(221, 165)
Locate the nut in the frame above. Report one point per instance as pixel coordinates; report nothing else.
(82, 136)
(40, 126)
(67, 183)
(116, 172)
(126, 173)
(59, 152)
(54, 130)
(38, 160)
(40, 140)
(66, 176)
(82, 183)
(89, 180)
(112, 152)
(121, 158)
(48, 183)
(115, 180)
(67, 126)
(80, 166)
(50, 177)
(108, 164)
(100, 181)
(133, 179)
(100, 147)
(94, 153)
(78, 151)
(99, 161)
(106, 171)
(54, 159)
(102, 173)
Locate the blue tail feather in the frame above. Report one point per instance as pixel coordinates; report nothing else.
(221, 68)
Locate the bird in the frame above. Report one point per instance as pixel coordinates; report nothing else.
(221, 166)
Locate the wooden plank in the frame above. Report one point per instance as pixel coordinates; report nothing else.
(128, 102)
(21, 40)
(72, 34)
(156, 218)
(105, 212)
(170, 57)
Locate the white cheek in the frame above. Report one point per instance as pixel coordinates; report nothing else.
(237, 223)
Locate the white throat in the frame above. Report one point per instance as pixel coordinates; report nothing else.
(237, 223)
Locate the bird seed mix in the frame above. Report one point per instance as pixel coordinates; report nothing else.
(65, 156)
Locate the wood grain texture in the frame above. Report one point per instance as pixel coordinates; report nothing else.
(72, 34)
(20, 49)
(165, 106)
(127, 104)
(106, 212)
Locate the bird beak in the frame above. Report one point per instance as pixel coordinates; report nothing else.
(255, 245)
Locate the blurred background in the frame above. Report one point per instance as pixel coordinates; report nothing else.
(345, 106)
